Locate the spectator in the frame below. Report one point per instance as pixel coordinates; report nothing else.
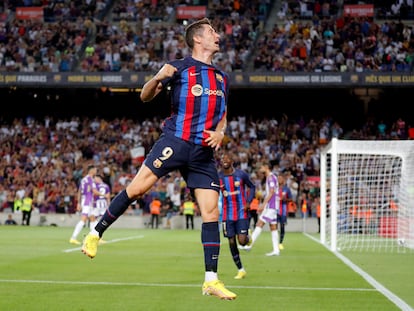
(10, 220)
(188, 210)
(26, 208)
(155, 211)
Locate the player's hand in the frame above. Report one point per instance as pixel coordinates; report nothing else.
(167, 71)
(214, 139)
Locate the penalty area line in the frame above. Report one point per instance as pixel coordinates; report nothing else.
(74, 249)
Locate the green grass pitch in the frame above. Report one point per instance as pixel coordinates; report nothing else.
(164, 270)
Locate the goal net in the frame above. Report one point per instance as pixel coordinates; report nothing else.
(367, 195)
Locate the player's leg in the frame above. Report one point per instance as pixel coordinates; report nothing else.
(207, 200)
(243, 232)
(282, 236)
(161, 160)
(93, 220)
(257, 231)
(235, 252)
(281, 220)
(255, 218)
(229, 232)
(240, 228)
(241, 272)
(79, 226)
(141, 183)
(210, 235)
(275, 240)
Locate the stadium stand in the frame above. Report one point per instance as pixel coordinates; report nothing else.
(47, 145)
(137, 36)
(49, 156)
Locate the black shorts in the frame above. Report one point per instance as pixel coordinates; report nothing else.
(281, 219)
(232, 228)
(196, 163)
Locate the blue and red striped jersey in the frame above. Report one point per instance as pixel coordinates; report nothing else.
(199, 95)
(285, 196)
(237, 190)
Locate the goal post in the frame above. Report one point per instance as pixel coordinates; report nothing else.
(367, 195)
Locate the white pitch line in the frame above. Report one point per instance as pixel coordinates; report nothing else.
(139, 284)
(75, 249)
(377, 285)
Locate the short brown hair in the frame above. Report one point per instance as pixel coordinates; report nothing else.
(193, 28)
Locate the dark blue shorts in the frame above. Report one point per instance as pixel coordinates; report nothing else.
(281, 219)
(196, 163)
(232, 227)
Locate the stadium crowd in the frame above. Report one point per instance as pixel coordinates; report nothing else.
(47, 158)
(131, 35)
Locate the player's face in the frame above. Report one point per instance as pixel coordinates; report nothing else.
(210, 39)
(94, 171)
(262, 171)
(226, 162)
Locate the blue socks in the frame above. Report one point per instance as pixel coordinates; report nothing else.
(210, 238)
(117, 207)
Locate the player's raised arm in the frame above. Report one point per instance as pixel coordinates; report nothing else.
(154, 86)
